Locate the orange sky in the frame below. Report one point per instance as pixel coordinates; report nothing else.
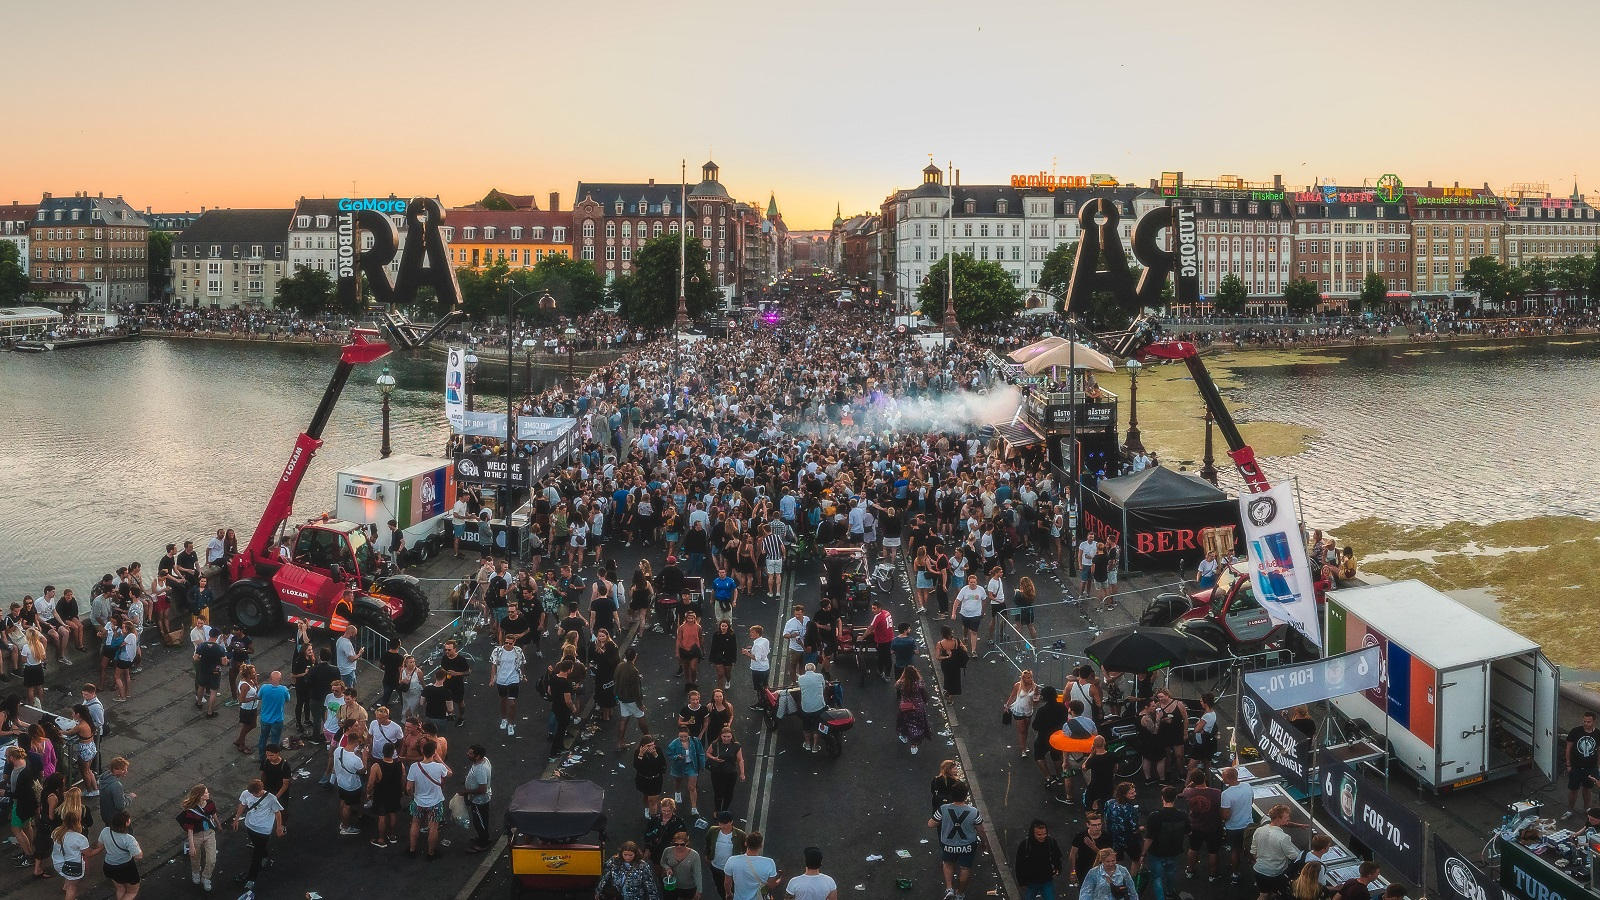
(187, 104)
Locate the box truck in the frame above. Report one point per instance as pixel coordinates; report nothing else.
(1464, 699)
(415, 491)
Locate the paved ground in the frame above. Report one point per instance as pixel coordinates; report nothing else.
(872, 802)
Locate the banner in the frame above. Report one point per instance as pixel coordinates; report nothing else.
(1281, 744)
(1524, 876)
(455, 386)
(529, 428)
(495, 471)
(1324, 679)
(1284, 580)
(1458, 878)
(1359, 806)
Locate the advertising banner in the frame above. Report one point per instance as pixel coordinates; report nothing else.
(529, 428)
(1282, 745)
(455, 387)
(495, 471)
(1186, 278)
(1359, 806)
(1458, 878)
(1409, 693)
(1284, 580)
(1323, 679)
(1524, 876)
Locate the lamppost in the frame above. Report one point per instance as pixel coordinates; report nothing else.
(1208, 470)
(527, 356)
(385, 387)
(472, 376)
(1133, 445)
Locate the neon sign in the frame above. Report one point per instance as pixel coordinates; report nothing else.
(1390, 189)
(1455, 200)
(1045, 180)
(384, 206)
(1330, 194)
(1266, 196)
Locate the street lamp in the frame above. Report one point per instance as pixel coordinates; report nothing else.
(472, 376)
(513, 297)
(385, 387)
(527, 355)
(571, 335)
(1133, 445)
(1208, 469)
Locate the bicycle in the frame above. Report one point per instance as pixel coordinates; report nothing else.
(882, 578)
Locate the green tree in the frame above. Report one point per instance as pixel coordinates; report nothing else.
(1301, 296)
(1538, 276)
(1489, 279)
(1230, 296)
(984, 291)
(1056, 273)
(651, 300)
(1374, 294)
(13, 284)
(483, 290)
(1592, 289)
(1571, 275)
(574, 284)
(309, 292)
(1104, 313)
(493, 200)
(159, 252)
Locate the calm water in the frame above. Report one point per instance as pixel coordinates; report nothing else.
(1425, 436)
(110, 452)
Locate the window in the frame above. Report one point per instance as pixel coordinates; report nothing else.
(666, 207)
(918, 252)
(1016, 252)
(588, 253)
(302, 222)
(933, 229)
(216, 251)
(967, 229)
(655, 230)
(983, 229)
(627, 230)
(672, 227)
(1000, 206)
(627, 253)
(644, 207)
(969, 207)
(705, 234)
(611, 231)
(516, 232)
(323, 221)
(588, 228)
(611, 254)
(618, 207)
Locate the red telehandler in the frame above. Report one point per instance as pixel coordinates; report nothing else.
(326, 572)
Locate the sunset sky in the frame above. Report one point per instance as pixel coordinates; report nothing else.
(184, 104)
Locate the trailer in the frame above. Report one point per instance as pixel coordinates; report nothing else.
(415, 491)
(1464, 699)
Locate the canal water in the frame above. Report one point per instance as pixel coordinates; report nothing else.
(110, 452)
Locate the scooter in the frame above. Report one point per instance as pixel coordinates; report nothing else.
(834, 722)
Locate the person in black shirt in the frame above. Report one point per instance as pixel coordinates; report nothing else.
(276, 773)
(499, 588)
(319, 683)
(392, 659)
(209, 661)
(1583, 756)
(515, 626)
(455, 668)
(561, 710)
(1038, 860)
(188, 569)
(693, 716)
(436, 700)
(1048, 717)
(305, 656)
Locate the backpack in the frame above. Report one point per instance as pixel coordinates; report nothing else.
(542, 686)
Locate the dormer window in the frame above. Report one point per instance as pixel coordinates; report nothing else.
(537, 232)
(449, 233)
(644, 207)
(619, 207)
(255, 251)
(560, 236)
(516, 232)
(469, 233)
(488, 232)
(75, 215)
(969, 207)
(1000, 206)
(302, 222)
(323, 221)
(666, 207)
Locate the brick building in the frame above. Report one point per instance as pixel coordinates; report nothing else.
(1343, 233)
(232, 258)
(1245, 229)
(1450, 226)
(14, 222)
(90, 250)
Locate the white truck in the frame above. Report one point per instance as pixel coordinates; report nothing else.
(414, 491)
(1464, 699)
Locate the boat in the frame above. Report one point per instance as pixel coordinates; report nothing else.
(34, 346)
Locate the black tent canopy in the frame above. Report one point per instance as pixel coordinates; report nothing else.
(1161, 519)
(557, 809)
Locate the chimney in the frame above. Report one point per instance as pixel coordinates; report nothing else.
(1430, 184)
(958, 178)
(652, 181)
(47, 195)
(1458, 184)
(555, 201)
(1277, 182)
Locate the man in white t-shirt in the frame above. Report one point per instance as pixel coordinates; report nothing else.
(506, 665)
(969, 605)
(215, 549)
(425, 784)
(1087, 551)
(346, 656)
(262, 816)
(749, 872)
(794, 631)
(1238, 814)
(813, 885)
(384, 731)
(350, 778)
(458, 520)
(760, 655)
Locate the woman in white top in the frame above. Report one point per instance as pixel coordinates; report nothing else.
(410, 687)
(249, 705)
(996, 589)
(1020, 703)
(122, 856)
(70, 852)
(34, 653)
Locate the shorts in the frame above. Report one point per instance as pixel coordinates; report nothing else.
(126, 873)
(124, 663)
(507, 691)
(332, 737)
(460, 530)
(1111, 577)
(33, 676)
(1233, 838)
(774, 567)
(209, 682)
(1043, 750)
(958, 859)
(891, 542)
(1100, 578)
(689, 654)
(924, 581)
(1271, 884)
(248, 717)
(971, 623)
(1578, 777)
(427, 815)
(355, 798)
(384, 806)
(1024, 615)
(87, 751)
(629, 710)
(810, 720)
(1207, 841)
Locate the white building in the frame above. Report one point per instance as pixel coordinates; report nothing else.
(14, 222)
(1549, 228)
(1016, 227)
(313, 236)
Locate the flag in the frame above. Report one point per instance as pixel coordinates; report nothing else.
(1282, 573)
(455, 385)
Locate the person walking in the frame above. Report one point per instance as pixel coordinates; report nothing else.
(812, 884)
(680, 869)
(760, 655)
(200, 824)
(628, 876)
(273, 701)
(751, 874)
(959, 837)
(630, 697)
(1038, 863)
(1122, 824)
(262, 817)
(686, 757)
(1163, 843)
(425, 784)
(649, 774)
(1019, 707)
(249, 693)
(1107, 880)
(1274, 852)
(122, 856)
(911, 716)
(725, 760)
(70, 852)
(722, 844)
(506, 673)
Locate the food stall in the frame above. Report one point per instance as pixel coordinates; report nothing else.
(1540, 860)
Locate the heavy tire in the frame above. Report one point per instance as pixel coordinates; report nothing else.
(253, 606)
(375, 619)
(1212, 634)
(832, 744)
(1129, 762)
(1164, 609)
(415, 613)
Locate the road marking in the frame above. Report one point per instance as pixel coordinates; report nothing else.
(766, 745)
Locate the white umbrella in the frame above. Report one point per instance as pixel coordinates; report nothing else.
(1069, 353)
(1023, 354)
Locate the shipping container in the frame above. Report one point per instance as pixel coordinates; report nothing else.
(415, 491)
(1464, 698)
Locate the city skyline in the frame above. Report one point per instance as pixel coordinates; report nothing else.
(833, 108)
